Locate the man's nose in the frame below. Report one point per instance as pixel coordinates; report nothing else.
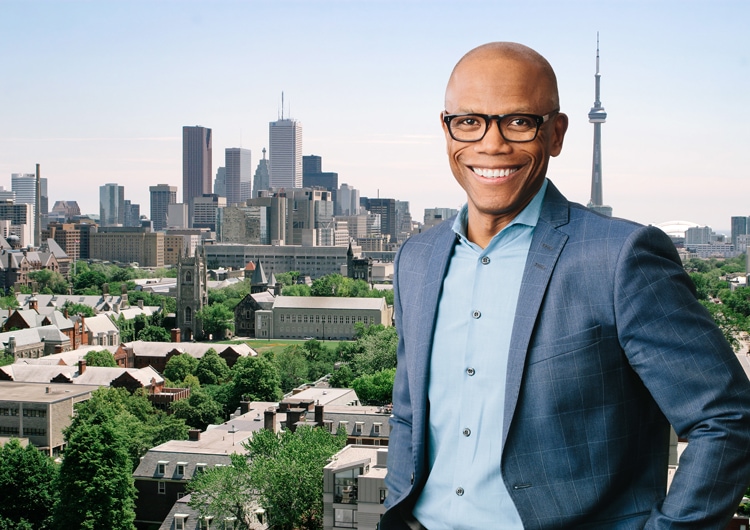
(493, 141)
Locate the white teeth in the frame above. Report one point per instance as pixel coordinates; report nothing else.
(493, 173)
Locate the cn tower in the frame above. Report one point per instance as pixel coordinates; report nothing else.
(597, 116)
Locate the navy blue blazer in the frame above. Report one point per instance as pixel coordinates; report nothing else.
(609, 347)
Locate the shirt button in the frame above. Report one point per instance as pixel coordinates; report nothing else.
(467, 432)
(476, 313)
(485, 260)
(470, 371)
(459, 491)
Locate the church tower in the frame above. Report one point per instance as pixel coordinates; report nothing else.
(192, 293)
(597, 116)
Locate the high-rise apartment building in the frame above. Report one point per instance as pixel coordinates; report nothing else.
(132, 214)
(285, 143)
(162, 195)
(111, 205)
(238, 169)
(261, 179)
(197, 168)
(23, 186)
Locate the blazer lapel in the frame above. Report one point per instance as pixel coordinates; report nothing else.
(546, 245)
(432, 283)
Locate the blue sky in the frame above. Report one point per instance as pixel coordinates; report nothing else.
(98, 92)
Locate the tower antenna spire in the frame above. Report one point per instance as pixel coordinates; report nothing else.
(597, 116)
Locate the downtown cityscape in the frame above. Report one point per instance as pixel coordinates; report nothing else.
(200, 209)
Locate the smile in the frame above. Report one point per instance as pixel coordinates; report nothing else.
(493, 173)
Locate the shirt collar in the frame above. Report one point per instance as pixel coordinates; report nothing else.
(529, 216)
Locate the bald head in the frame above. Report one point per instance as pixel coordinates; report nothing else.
(508, 61)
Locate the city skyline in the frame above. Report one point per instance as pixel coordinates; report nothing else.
(99, 93)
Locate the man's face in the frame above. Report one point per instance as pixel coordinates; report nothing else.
(500, 177)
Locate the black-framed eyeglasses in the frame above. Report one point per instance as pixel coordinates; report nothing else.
(513, 127)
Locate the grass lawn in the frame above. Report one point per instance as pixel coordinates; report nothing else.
(276, 345)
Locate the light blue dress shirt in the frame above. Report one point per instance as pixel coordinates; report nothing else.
(467, 379)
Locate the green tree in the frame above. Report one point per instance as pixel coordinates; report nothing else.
(225, 492)
(342, 378)
(8, 302)
(211, 368)
(257, 378)
(78, 309)
(27, 487)
(199, 410)
(287, 471)
(287, 278)
(292, 367)
(96, 476)
(100, 358)
(729, 322)
(49, 281)
(375, 389)
(377, 350)
(178, 367)
(299, 289)
(154, 334)
(89, 282)
(216, 320)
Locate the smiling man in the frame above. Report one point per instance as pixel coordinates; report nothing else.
(544, 349)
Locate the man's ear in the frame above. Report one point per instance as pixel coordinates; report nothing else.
(559, 127)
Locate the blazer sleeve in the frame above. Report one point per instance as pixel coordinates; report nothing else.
(693, 375)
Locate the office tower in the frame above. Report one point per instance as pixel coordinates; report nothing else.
(386, 208)
(597, 116)
(740, 226)
(434, 216)
(238, 170)
(178, 215)
(7, 195)
(261, 179)
(220, 182)
(311, 164)
(197, 166)
(314, 177)
(111, 205)
(204, 210)
(162, 195)
(347, 200)
(131, 214)
(285, 157)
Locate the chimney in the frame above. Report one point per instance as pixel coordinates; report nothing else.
(194, 435)
(319, 415)
(293, 416)
(65, 312)
(58, 348)
(34, 303)
(382, 457)
(81, 366)
(140, 303)
(174, 333)
(244, 407)
(269, 420)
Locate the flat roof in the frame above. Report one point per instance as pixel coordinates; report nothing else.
(37, 392)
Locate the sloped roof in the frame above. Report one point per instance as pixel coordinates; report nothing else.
(194, 349)
(92, 375)
(34, 335)
(100, 324)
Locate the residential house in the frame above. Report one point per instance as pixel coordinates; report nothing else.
(137, 354)
(354, 488)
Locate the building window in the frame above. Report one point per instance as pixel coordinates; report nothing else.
(200, 467)
(162, 487)
(376, 428)
(358, 427)
(345, 518)
(188, 314)
(383, 495)
(181, 468)
(188, 277)
(161, 467)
